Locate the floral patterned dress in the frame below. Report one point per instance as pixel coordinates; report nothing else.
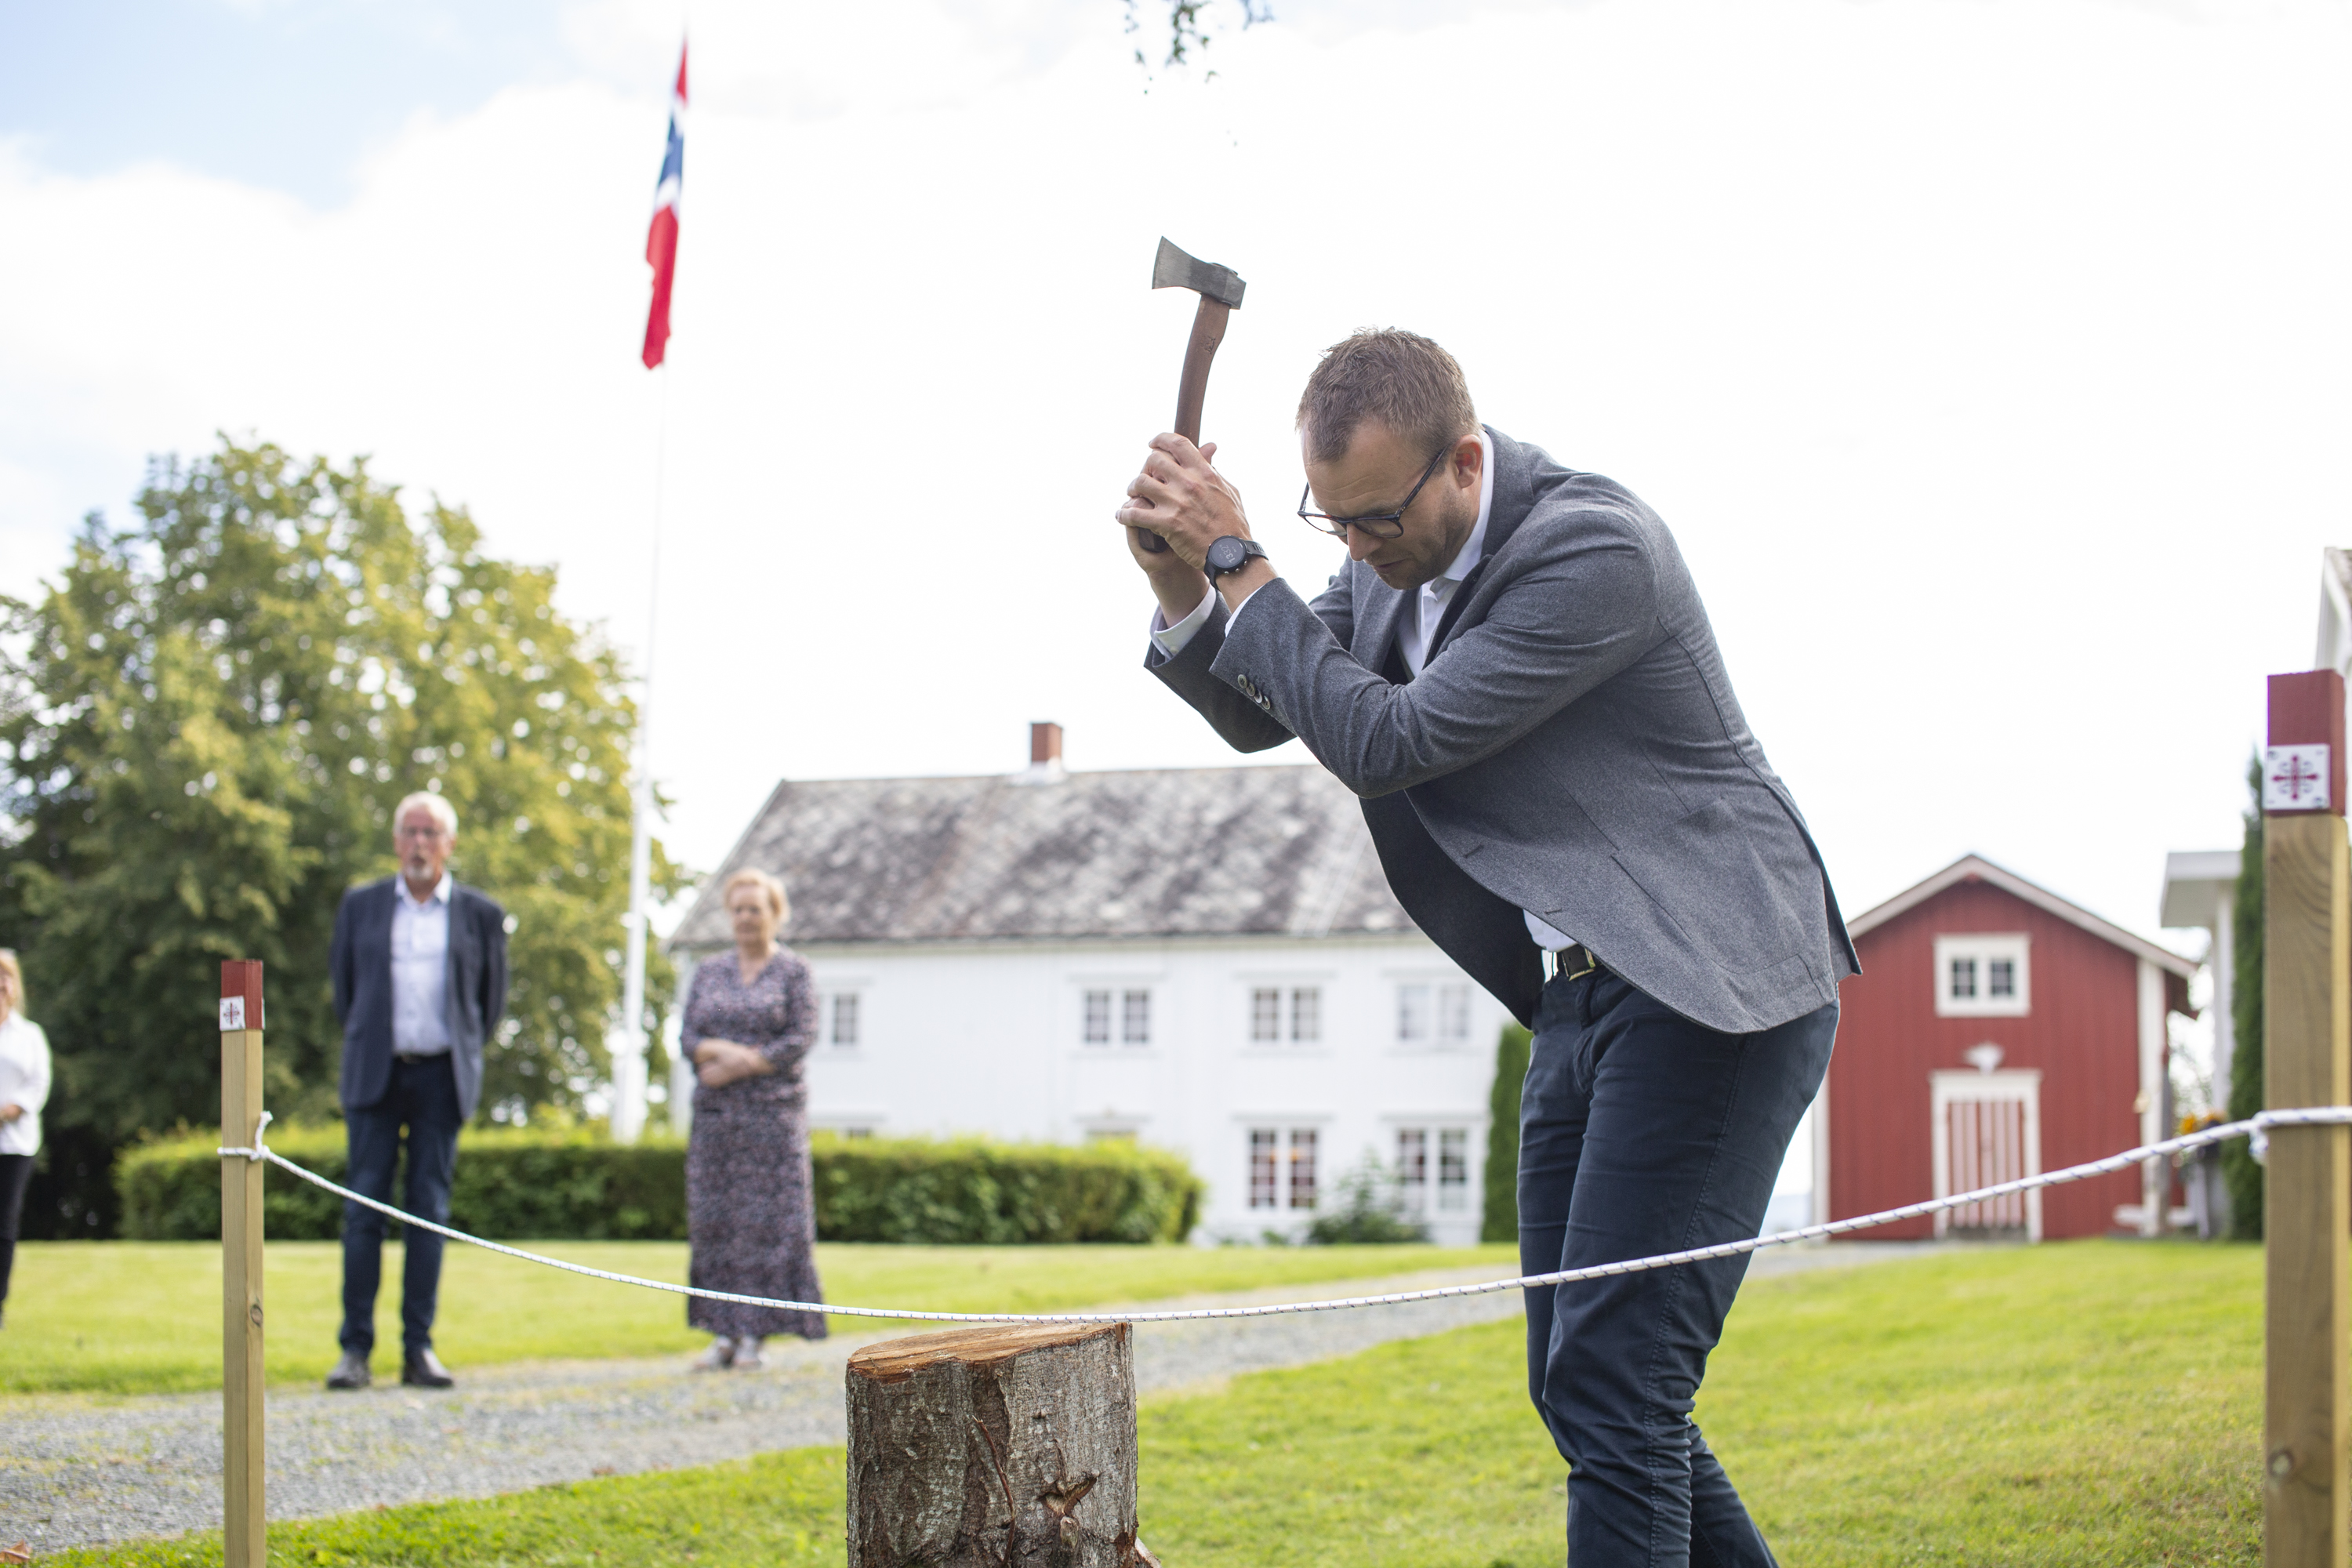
(750, 1219)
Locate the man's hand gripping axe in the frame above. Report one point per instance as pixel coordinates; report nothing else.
(1220, 296)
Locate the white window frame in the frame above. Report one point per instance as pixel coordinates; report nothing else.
(1287, 1136)
(1432, 1195)
(1983, 949)
(1274, 1006)
(1445, 1007)
(831, 1018)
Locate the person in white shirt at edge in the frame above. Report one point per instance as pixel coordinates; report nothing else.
(24, 1090)
(419, 962)
(1512, 669)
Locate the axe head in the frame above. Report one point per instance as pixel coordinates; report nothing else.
(1172, 269)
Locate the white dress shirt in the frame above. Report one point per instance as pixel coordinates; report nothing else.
(23, 1081)
(420, 970)
(1413, 630)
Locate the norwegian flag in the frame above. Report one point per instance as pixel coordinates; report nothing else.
(661, 238)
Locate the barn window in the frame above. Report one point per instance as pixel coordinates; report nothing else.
(1135, 1018)
(1984, 976)
(842, 1028)
(1096, 1031)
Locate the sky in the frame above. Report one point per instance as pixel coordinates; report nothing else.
(1986, 357)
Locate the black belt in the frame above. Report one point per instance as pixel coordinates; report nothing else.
(1571, 963)
(410, 1058)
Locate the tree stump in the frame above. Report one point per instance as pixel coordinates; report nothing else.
(1011, 1446)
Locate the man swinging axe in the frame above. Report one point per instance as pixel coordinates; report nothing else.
(1512, 669)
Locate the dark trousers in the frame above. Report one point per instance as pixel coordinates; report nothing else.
(422, 1097)
(1643, 1132)
(15, 1170)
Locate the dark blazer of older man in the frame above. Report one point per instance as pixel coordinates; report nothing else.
(1568, 800)
(414, 1025)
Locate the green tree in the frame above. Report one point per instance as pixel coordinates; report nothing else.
(2239, 1172)
(204, 726)
(1501, 1221)
(1186, 37)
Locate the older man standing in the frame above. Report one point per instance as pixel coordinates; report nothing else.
(1513, 668)
(420, 971)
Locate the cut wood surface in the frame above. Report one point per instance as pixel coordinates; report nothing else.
(1009, 1445)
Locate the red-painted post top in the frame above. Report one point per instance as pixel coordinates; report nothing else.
(2307, 709)
(241, 993)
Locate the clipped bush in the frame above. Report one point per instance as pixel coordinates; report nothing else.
(574, 1184)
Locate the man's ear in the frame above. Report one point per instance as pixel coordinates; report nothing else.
(1469, 461)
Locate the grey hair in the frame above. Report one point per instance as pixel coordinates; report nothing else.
(1384, 376)
(780, 904)
(443, 811)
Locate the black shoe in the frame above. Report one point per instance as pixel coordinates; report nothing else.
(423, 1368)
(352, 1371)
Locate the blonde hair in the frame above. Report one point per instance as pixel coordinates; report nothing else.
(778, 905)
(443, 811)
(17, 972)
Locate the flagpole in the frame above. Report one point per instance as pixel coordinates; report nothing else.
(631, 1073)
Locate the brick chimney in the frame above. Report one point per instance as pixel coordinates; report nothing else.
(1044, 756)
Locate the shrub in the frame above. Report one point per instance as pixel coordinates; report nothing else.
(1500, 1218)
(576, 1185)
(1368, 1210)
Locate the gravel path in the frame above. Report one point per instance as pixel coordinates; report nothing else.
(76, 1470)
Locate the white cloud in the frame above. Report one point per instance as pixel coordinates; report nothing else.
(1982, 355)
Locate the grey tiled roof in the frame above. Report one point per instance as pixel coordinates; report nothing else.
(1275, 851)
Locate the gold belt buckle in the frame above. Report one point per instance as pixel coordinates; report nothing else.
(1584, 953)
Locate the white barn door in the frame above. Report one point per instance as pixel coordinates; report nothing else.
(1986, 1130)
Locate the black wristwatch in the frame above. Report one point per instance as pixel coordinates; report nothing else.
(1231, 555)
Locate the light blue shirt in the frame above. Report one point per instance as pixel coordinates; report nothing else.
(420, 970)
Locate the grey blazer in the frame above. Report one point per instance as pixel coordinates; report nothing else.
(1571, 746)
(361, 961)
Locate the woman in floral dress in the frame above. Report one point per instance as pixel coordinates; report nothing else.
(750, 1020)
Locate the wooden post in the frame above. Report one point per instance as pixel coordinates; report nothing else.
(1011, 1446)
(241, 1365)
(2306, 1061)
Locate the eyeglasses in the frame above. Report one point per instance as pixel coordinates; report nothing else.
(406, 832)
(1372, 525)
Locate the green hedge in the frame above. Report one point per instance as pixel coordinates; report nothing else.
(576, 1185)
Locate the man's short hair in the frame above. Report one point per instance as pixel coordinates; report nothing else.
(443, 811)
(1401, 380)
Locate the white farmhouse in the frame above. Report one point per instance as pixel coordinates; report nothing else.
(1206, 958)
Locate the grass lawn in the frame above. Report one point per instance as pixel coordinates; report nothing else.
(2076, 1403)
(141, 1317)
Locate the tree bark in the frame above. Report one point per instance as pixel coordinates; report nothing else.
(1011, 1446)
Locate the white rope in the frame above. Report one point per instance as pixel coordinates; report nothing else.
(2256, 1127)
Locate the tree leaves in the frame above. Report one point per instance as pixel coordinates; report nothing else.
(205, 726)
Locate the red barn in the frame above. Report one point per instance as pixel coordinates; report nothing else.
(1997, 1031)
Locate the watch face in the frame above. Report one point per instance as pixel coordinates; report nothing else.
(1226, 554)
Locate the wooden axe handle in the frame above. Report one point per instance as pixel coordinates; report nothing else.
(1208, 332)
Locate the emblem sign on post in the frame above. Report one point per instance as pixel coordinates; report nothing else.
(2295, 778)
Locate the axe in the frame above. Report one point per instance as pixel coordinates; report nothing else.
(1220, 296)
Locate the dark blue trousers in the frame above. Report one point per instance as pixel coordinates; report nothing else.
(423, 1099)
(1642, 1132)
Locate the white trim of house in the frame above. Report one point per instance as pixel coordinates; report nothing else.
(1944, 1087)
(2155, 1049)
(1821, 1153)
(1976, 867)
